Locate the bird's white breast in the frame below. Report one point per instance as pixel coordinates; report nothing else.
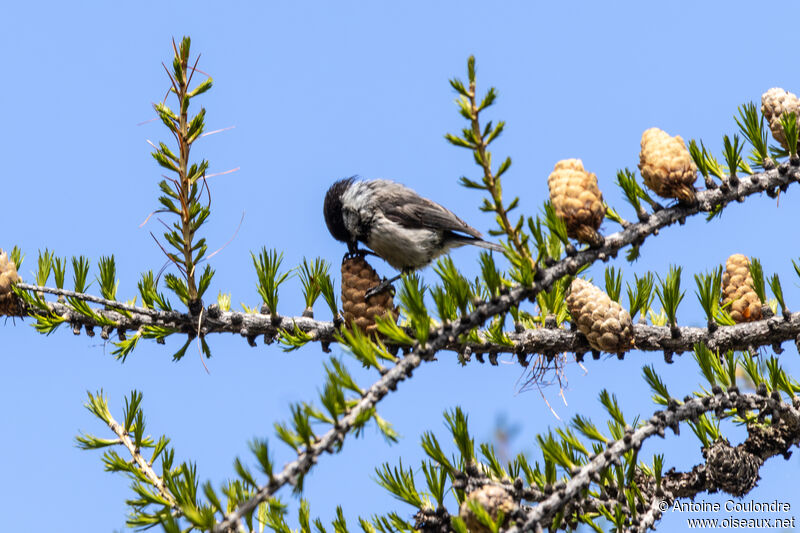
(403, 247)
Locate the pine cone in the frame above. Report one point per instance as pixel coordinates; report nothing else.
(738, 292)
(606, 325)
(667, 166)
(493, 499)
(774, 103)
(577, 200)
(9, 302)
(732, 469)
(357, 278)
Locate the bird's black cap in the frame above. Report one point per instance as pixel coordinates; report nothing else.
(333, 210)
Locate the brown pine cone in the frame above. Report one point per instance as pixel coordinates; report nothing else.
(606, 325)
(9, 302)
(732, 469)
(775, 103)
(737, 290)
(357, 278)
(493, 499)
(577, 200)
(667, 166)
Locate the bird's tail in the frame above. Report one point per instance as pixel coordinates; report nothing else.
(486, 244)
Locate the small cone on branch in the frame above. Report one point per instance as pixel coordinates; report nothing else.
(737, 290)
(774, 103)
(732, 469)
(577, 200)
(493, 499)
(667, 167)
(357, 278)
(9, 302)
(604, 323)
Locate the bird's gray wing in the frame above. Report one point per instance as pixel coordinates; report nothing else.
(407, 208)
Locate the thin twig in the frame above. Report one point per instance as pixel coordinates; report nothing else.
(171, 315)
(491, 180)
(141, 462)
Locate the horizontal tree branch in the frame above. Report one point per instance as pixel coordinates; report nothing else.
(769, 331)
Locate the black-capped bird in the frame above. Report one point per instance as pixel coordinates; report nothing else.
(397, 224)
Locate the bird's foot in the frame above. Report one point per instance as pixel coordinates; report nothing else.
(358, 252)
(384, 285)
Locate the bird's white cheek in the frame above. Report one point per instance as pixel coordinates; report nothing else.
(350, 219)
(358, 209)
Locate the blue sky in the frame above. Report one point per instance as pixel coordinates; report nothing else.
(316, 92)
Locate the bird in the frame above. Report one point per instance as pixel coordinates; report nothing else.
(398, 225)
